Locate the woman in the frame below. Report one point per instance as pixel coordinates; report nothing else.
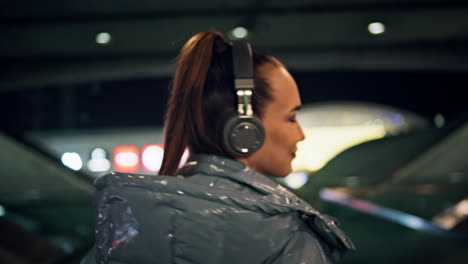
(222, 206)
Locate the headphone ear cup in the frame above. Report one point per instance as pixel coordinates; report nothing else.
(243, 135)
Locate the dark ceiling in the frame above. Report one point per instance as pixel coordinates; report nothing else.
(56, 76)
(52, 42)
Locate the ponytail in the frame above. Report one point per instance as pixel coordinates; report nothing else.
(184, 102)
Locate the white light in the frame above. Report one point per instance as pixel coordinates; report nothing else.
(296, 180)
(462, 208)
(98, 153)
(99, 165)
(103, 38)
(413, 222)
(152, 158)
(240, 32)
(72, 160)
(99, 161)
(126, 159)
(448, 219)
(2, 211)
(324, 143)
(376, 28)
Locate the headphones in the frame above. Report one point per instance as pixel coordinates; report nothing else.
(243, 133)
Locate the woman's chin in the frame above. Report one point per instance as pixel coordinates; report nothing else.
(282, 172)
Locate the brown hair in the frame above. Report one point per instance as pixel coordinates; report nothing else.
(203, 97)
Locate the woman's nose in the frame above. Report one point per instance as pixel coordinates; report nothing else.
(301, 134)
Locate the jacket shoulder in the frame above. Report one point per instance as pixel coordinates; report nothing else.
(142, 218)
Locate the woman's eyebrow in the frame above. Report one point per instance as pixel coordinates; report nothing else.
(296, 108)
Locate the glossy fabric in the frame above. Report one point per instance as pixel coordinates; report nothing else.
(217, 211)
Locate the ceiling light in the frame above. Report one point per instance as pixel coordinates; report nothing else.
(376, 28)
(239, 32)
(103, 38)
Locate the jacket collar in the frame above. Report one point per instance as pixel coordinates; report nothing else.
(239, 172)
(233, 170)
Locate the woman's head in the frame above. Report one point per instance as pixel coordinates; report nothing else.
(203, 97)
(282, 130)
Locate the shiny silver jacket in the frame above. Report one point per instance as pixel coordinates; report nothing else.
(217, 211)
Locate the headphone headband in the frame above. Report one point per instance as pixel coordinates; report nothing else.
(243, 133)
(242, 59)
(243, 76)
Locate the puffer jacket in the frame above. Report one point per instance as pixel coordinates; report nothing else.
(217, 211)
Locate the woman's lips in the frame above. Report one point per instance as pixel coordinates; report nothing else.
(293, 153)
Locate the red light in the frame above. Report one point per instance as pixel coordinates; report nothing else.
(126, 159)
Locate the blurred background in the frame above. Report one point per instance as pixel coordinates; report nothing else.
(83, 91)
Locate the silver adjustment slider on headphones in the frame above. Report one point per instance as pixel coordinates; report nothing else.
(244, 84)
(244, 105)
